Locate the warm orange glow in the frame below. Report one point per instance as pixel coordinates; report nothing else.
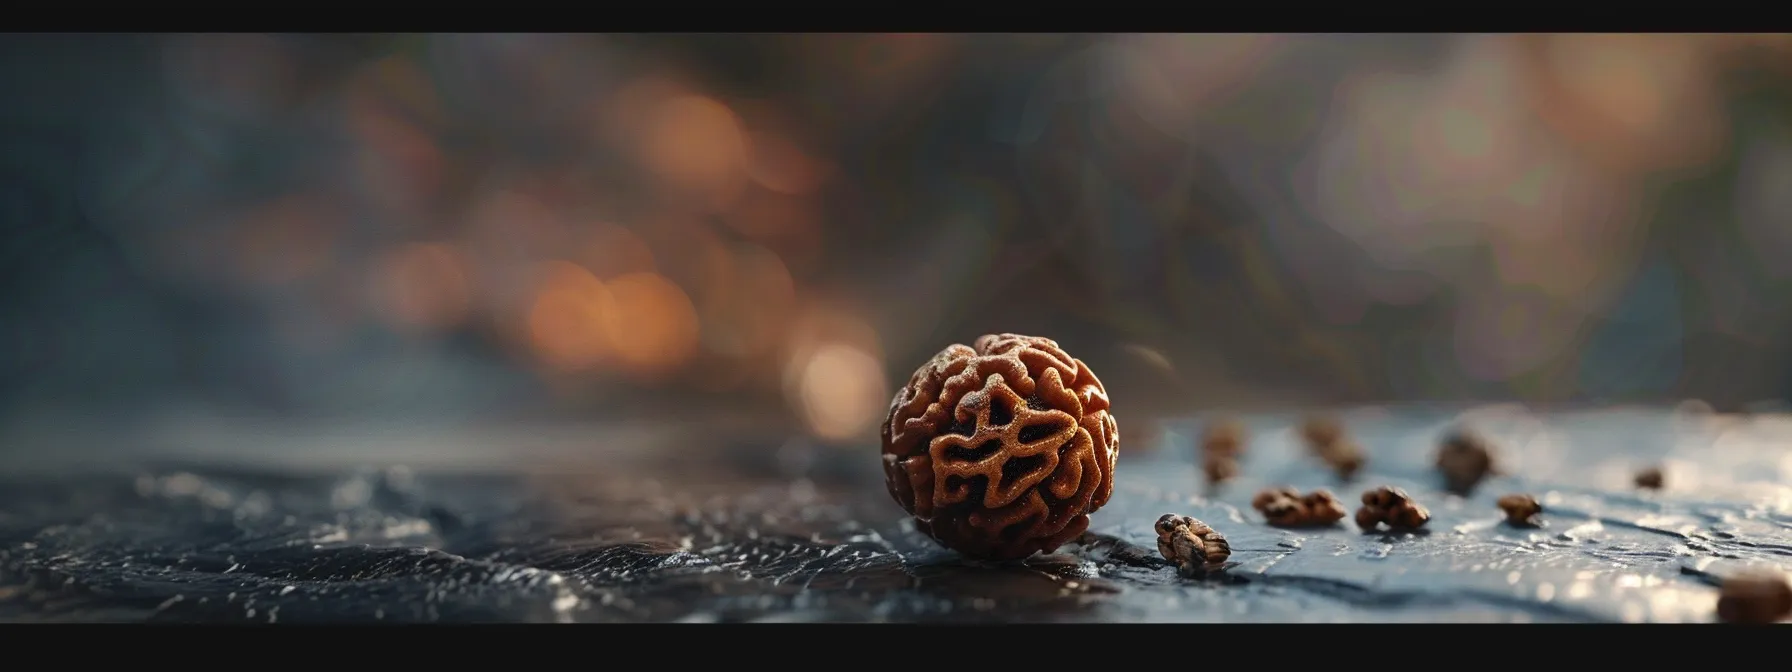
(424, 286)
(567, 318)
(1634, 102)
(841, 390)
(777, 164)
(833, 372)
(614, 250)
(652, 324)
(697, 144)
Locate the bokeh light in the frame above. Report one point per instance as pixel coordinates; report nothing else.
(569, 320)
(842, 391)
(1407, 216)
(696, 143)
(651, 324)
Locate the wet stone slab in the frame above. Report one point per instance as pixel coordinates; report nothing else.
(730, 532)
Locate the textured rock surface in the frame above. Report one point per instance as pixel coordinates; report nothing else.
(617, 526)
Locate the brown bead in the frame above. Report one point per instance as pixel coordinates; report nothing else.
(1225, 437)
(1650, 478)
(1284, 512)
(1187, 549)
(1393, 507)
(1385, 497)
(1369, 517)
(1286, 507)
(1521, 510)
(1199, 527)
(1345, 458)
(1001, 449)
(1408, 516)
(1170, 522)
(1194, 547)
(1219, 468)
(1323, 508)
(1218, 549)
(1464, 459)
(1321, 430)
(1268, 495)
(1754, 598)
(1165, 542)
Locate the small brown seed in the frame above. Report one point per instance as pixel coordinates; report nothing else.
(1192, 545)
(1272, 494)
(1650, 478)
(1286, 507)
(1521, 510)
(1218, 549)
(1368, 517)
(1321, 430)
(1225, 436)
(1408, 516)
(1199, 527)
(1464, 459)
(1185, 547)
(1219, 468)
(1284, 513)
(1393, 507)
(1385, 497)
(1323, 508)
(1169, 522)
(1754, 598)
(1345, 458)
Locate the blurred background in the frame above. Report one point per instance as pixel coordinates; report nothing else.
(782, 227)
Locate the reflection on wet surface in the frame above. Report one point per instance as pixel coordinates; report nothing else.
(804, 534)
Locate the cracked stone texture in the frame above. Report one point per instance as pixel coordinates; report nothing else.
(175, 522)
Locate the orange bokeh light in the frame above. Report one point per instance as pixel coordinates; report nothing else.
(615, 251)
(567, 327)
(1631, 102)
(424, 286)
(778, 164)
(840, 391)
(833, 373)
(696, 144)
(652, 323)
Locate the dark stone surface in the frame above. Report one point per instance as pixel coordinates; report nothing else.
(605, 526)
